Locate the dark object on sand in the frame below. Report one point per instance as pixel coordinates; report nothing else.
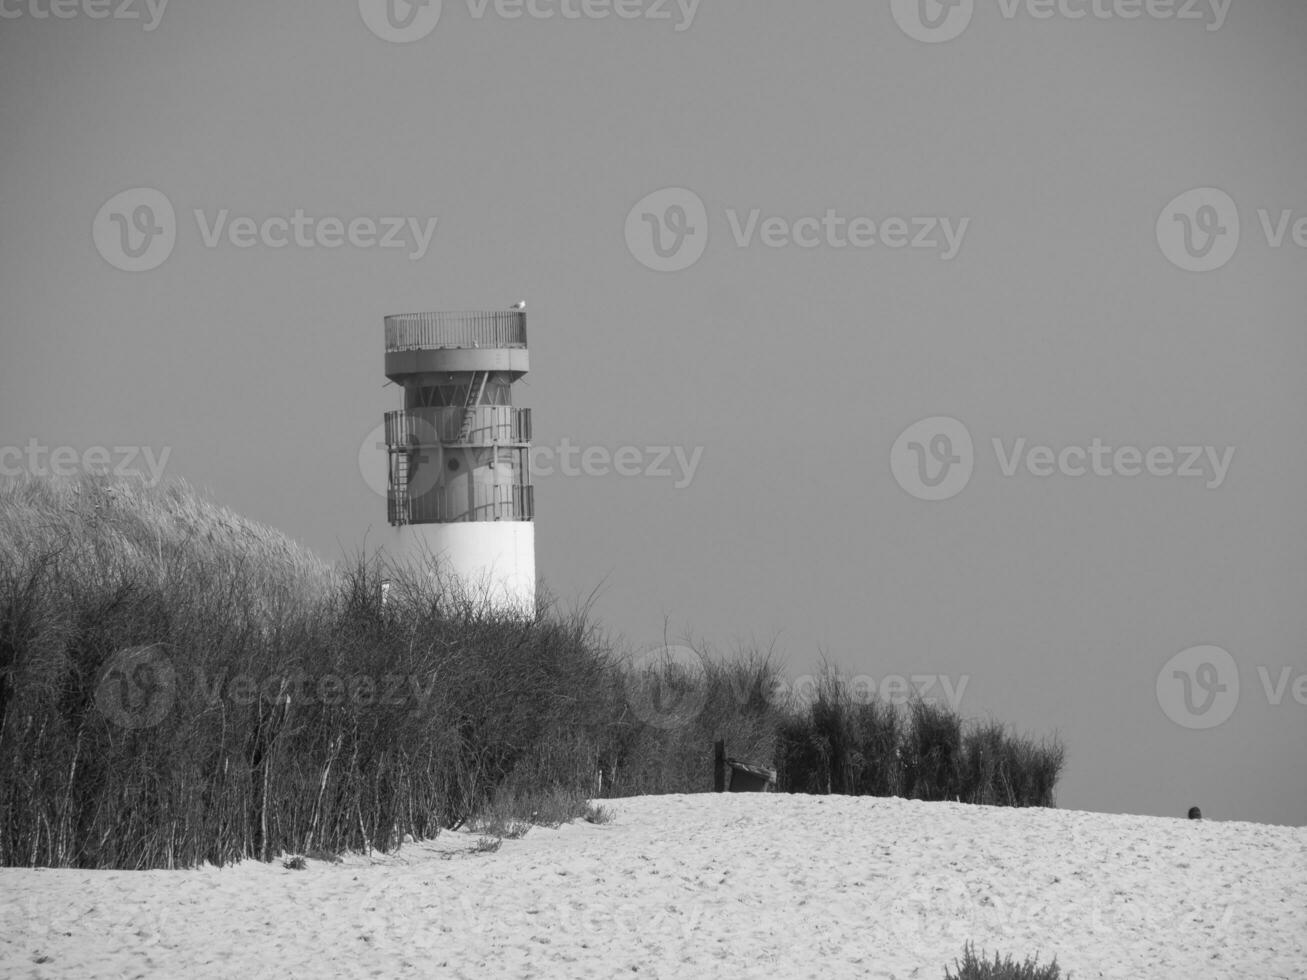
(739, 777)
(1195, 813)
(751, 779)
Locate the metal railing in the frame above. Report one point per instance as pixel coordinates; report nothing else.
(430, 331)
(491, 425)
(442, 505)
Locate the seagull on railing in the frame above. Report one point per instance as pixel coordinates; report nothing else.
(521, 305)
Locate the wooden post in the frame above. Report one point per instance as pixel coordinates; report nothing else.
(719, 767)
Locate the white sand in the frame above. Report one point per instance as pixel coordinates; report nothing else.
(736, 885)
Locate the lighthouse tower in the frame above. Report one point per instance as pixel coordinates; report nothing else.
(460, 491)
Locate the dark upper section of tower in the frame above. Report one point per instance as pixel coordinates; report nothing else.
(420, 344)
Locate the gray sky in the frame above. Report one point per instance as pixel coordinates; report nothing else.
(1052, 147)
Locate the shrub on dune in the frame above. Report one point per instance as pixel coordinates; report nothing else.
(932, 752)
(863, 746)
(977, 968)
(181, 685)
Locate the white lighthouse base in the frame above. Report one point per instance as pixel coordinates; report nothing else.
(489, 561)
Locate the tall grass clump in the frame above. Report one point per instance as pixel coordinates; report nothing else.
(999, 769)
(840, 742)
(92, 570)
(668, 712)
(973, 967)
(932, 752)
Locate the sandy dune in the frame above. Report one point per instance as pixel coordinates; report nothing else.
(689, 886)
